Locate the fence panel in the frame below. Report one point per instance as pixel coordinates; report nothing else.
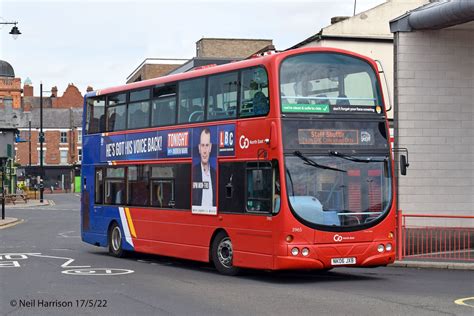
(421, 236)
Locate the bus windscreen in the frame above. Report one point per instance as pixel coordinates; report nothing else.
(328, 83)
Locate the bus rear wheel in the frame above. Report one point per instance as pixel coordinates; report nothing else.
(115, 241)
(223, 254)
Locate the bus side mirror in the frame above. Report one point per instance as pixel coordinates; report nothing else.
(403, 165)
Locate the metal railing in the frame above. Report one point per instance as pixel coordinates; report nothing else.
(429, 240)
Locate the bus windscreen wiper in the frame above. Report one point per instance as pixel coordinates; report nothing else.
(312, 163)
(352, 158)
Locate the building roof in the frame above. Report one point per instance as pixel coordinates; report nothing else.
(435, 16)
(52, 118)
(370, 25)
(6, 70)
(157, 61)
(200, 62)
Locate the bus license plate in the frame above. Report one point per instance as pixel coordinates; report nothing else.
(341, 261)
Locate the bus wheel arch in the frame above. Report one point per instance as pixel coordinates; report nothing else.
(115, 239)
(221, 253)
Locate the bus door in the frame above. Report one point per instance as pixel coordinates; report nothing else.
(247, 203)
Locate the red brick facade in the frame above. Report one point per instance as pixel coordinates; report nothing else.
(10, 88)
(52, 147)
(72, 98)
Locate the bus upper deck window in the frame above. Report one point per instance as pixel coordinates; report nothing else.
(254, 93)
(95, 115)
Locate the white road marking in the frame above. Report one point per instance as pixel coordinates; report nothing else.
(25, 256)
(66, 234)
(462, 301)
(98, 271)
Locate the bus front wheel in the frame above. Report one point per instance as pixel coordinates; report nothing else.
(223, 254)
(115, 241)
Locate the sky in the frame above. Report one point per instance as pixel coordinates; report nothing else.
(100, 43)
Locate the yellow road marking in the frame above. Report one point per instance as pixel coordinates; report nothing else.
(461, 301)
(130, 223)
(12, 224)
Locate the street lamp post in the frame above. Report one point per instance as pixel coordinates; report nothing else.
(3, 161)
(41, 140)
(29, 142)
(15, 31)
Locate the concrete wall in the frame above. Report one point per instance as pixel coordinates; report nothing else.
(434, 83)
(373, 22)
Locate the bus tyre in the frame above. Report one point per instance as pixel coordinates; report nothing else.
(115, 241)
(223, 254)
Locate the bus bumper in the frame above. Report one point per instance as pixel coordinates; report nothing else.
(293, 263)
(320, 256)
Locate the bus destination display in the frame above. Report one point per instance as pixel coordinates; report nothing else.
(329, 137)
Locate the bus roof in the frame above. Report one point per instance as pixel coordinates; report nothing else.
(223, 68)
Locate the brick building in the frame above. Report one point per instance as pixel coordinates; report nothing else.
(62, 121)
(10, 87)
(62, 126)
(233, 48)
(209, 51)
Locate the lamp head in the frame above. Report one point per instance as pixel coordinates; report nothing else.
(15, 32)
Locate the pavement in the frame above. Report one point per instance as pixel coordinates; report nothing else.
(421, 263)
(11, 221)
(427, 264)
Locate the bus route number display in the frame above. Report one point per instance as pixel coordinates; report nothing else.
(329, 137)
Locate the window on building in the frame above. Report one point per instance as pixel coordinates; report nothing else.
(44, 156)
(254, 93)
(63, 156)
(191, 100)
(63, 137)
(8, 101)
(79, 135)
(222, 96)
(79, 154)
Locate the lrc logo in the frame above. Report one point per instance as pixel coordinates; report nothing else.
(337, 238)
(244, 142)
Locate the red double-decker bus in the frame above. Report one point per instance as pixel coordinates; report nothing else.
(276, 162)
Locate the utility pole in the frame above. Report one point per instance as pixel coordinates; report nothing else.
(29, 142)
(41, 140)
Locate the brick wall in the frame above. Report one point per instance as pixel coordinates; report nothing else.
(10, 88)
(229, 48)
(72, 97)
(434, 82)
(52, 147)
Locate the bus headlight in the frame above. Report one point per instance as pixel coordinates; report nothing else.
(305, 252)
(380, 248)
(388, 247)
(295, 251)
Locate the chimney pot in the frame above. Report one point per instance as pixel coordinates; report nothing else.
(337, 19)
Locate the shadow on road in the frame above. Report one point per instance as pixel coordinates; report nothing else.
(275, 277)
